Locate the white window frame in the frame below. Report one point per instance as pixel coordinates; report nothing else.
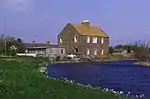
(88, 39)
(102, 52)
(102, 40)
(95, 52)
(75, 39)
(88, 52)
(94, 39)
(60, 40)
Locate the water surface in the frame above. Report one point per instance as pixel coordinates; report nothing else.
(120, 76)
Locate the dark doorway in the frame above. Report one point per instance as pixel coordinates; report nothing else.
(62, 51)
(76, 50)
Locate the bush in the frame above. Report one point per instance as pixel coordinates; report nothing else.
(141, 50)
(58, 58)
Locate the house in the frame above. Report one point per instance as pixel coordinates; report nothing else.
(45, 50)
(84, 39)
(125, 53)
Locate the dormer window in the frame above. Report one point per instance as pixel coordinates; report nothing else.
(75, 39)
(94, 39)
(60, 40)
(88, 39)
(102, 40)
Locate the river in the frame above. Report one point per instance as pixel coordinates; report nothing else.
(120, 76)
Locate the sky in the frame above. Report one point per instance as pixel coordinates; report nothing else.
(125, 21)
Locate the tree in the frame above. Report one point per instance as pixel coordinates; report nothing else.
(111, 49)
(19, 40)
(141, 50)
(12, 45)
(33, 42)
(12, 50)
(20, 46)
(119, 46)
(48, 42)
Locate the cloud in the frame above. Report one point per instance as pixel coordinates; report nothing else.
(17, 5)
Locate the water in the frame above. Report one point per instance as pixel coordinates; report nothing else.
(120, 76)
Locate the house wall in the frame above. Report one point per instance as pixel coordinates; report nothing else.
(67, 35)
(92, 46)
(37, 51)
(53, 52)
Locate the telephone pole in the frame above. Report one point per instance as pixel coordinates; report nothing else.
(5, 37)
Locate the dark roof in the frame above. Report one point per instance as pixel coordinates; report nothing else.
(29, 45)
(43, 47)
(35, 45)
(89, 30)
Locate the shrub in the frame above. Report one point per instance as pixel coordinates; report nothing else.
(141, 50)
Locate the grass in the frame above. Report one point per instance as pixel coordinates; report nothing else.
(110, 57)
(19, 79)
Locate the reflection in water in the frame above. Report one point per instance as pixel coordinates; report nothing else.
(120, 76)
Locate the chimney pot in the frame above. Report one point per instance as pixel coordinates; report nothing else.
(85, 22)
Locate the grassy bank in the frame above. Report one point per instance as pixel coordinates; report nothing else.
(110, 58)
(20, 79)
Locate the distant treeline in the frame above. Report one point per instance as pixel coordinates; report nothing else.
(11, 45)
(141, 49)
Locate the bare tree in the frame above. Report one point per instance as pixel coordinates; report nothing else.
(141, 50)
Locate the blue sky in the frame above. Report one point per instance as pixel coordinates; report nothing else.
(41, 20)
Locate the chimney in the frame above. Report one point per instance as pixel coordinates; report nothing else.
(85, 22)
(48, 42)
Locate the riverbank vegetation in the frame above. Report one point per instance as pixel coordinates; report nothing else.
(20, 79)
(110, 57)
(141, 49)
(141, 52)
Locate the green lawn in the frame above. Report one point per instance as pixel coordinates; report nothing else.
(20, 79)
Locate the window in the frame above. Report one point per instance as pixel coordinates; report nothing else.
(94, 40)
(95, 52)
(60, 40)
(88, 39)
(102, 52)
(102, 40)
(75, 39)
(62, 51)
(88, 51)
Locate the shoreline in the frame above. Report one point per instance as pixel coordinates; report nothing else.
(88, 86)
(41, 84)
(93, 61)
(43, 69)
(147, 64)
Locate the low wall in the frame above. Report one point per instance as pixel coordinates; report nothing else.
(24, 54)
